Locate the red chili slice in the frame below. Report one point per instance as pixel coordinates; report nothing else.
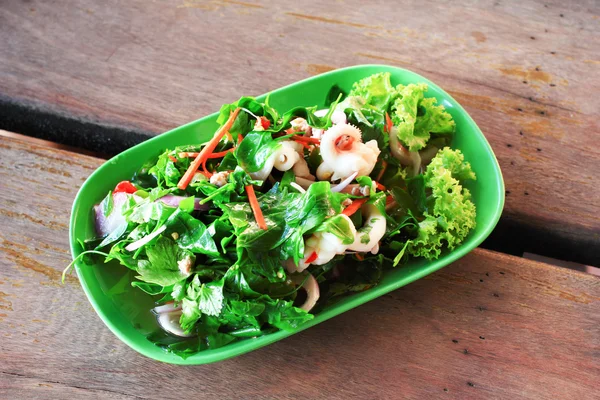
(312, 257)
(125, 187)
(265, 123)
(388, 123)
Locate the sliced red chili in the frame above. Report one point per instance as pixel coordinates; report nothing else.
(312, 257)
(264, 122)
(354, 207)
(125, 187)
(388, 123)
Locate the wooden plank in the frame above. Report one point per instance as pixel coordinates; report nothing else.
(487, 326)
(524, 70)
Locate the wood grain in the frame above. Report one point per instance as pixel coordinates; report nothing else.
(527, 72)
(487, 326)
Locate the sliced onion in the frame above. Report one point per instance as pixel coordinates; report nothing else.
(250, 112)
(340, 186)
(169, 321)
(297, 187)
(173, 201)
(303, 182)
(427, 154)
(169, 307)
(311, 286)
(409, 158)
(107, 224)
(139, 243)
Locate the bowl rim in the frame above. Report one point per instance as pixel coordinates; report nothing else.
(225, 352)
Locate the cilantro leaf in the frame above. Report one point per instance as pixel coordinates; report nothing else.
(341, 227)
(162, 264)
(210, 298)
(283, 315)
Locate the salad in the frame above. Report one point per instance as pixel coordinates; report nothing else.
(278, 214)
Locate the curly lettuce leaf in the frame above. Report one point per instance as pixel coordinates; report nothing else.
(416, 117)
(451, 160)
(451, 213)
(376, 90)
(434, 120)
(404, 115)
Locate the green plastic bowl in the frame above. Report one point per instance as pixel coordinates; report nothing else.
(125, 310)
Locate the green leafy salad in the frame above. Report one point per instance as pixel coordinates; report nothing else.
(279, 213)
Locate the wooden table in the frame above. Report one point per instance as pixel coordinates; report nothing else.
(105, 75)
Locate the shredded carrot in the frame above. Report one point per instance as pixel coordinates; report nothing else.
(240, 138)
(379, 186)
(354, 207)
(360, 256)
(312, 257)
(206, 151)
(384, 165)
(388, 123)
(229, 137)
(258, 215)
(172, 159)
(221, 153)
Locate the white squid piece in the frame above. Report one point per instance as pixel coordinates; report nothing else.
(288, 156)
(344, 153)
(168, 317)
(367, 238)
(311, 287)
(326, 245)
(299, 125)
(337, 117)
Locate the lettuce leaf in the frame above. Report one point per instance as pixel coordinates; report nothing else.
(451, 213)
(404, 116)
(416, 117)
(376, 90)
(434, 120)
